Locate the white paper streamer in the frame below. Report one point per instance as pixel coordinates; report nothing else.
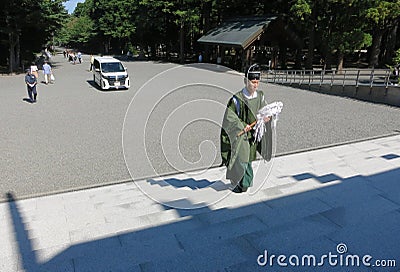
(271, 110)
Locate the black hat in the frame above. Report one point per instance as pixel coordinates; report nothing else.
(253, 72)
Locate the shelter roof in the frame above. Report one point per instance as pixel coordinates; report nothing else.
(238, 32)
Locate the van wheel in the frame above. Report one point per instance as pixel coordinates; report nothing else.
(94, 79)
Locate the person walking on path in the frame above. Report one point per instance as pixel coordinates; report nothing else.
(238, 144)
(34, 70)
(47, 72)
(31, 82)
(80, 57)
(74, 58)
(91, 62)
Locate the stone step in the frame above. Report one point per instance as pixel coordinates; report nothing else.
(213, 257)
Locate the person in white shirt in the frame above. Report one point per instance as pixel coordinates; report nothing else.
(34, 70)
(47, 72)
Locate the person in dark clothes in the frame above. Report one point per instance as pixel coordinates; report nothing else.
(31, 82)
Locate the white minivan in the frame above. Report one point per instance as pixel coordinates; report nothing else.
(108, 72)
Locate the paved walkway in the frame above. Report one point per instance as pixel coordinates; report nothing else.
(337, 205)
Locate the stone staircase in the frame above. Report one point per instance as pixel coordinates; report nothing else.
(118, 228)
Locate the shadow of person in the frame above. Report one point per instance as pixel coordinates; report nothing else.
(28, 100)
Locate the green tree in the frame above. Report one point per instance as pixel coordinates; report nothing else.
(334, 27)
(396, 58)
(26, 26)
(305, 11)
(115, 21)
(53, 16)
(153, 25)
(382, 16)
(15, 21)
(188, 20)
(172, 23)
(76, 31)
(347, 29)
(337, 24)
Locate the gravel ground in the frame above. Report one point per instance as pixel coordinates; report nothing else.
(72, 137)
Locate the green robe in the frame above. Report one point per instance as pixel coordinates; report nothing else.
(238, 152)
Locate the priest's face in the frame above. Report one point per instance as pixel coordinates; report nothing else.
(252, 85)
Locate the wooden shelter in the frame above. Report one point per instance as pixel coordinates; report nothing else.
(239, 42)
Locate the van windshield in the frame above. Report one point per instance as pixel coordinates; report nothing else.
(111, 67)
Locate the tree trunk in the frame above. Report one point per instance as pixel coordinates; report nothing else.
(297, 64)
(311, 36)
(311, 46)
(107, 45)
(11, 53)
(12, 62)
(13, 39)
(390, 45)
(181, 42)
(328, 59)
(375, 48)
(340, 62)
(154, 51)
(207, 7)
(18, 53)
(283, 58)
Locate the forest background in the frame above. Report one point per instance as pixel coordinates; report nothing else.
(341, 32)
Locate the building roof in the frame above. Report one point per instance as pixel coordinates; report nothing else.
(240, 32)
